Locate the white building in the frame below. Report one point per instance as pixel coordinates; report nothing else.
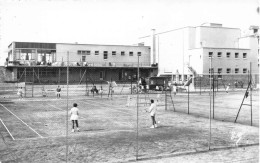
(48, 61)
(188, 49)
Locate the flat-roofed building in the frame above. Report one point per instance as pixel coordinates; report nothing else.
(47, 62)
(186, 51)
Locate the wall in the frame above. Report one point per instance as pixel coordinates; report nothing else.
(251, 43)
(62, 50)
(218, 37)
(225, 62)
(196, 60)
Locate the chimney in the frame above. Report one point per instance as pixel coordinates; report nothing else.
(254, 29)
(153, 47)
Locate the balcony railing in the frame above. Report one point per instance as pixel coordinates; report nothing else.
(23, 63)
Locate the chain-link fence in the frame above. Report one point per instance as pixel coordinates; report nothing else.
(116, 120)
(220, 82)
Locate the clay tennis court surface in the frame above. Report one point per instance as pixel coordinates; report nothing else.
(34, 129)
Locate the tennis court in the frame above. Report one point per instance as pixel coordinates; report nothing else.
(39, 129)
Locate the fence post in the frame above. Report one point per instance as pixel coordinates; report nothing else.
(137, 108)
(210, 102)
(188, 99)
(24, 82)
(251, 89)
(33, 82)
(67, 123)
(200, 85)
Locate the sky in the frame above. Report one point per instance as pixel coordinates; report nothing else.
(114, 22)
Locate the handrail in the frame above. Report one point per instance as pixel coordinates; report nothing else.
(78, 64)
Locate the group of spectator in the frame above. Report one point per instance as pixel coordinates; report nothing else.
(239, 83)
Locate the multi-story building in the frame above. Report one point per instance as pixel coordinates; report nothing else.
(190, 50)
(47, 62)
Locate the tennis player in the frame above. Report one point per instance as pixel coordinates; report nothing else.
(152, 110)
(227, 88)
(58, 90)
(20, 93)
(74, 112)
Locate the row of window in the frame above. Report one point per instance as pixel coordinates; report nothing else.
(228, 55)
(105, 54)
(123, 53)
(228, 70)
(40, 57)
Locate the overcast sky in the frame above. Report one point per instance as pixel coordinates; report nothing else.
(118, 22)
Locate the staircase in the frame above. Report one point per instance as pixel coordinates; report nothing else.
(192, 71)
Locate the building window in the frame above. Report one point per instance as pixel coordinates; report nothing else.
(236, 70)
(96, 52)
(83, 58)
(139, 53)
(101, 75)
(219, 70)
(185, 77)
(17, 53)
(83, 52)
(219, 73)
(131, 54)
(244, 55)
(105, 55)
(228, 54)
(122, 53)
(219, 54)
(25, 56)
(236, 55)
(244, 70)
(173, 77)
(40, 57)
(228, 70)
(210, 54)
(48, 57)
(113, 52)
(212, 70)
(180, 79)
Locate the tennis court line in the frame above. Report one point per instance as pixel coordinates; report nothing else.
(81, 133)
(107, 105)
(7, 129)
(80, 118)
(21, 121)
(54, 107)
(124, 105)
